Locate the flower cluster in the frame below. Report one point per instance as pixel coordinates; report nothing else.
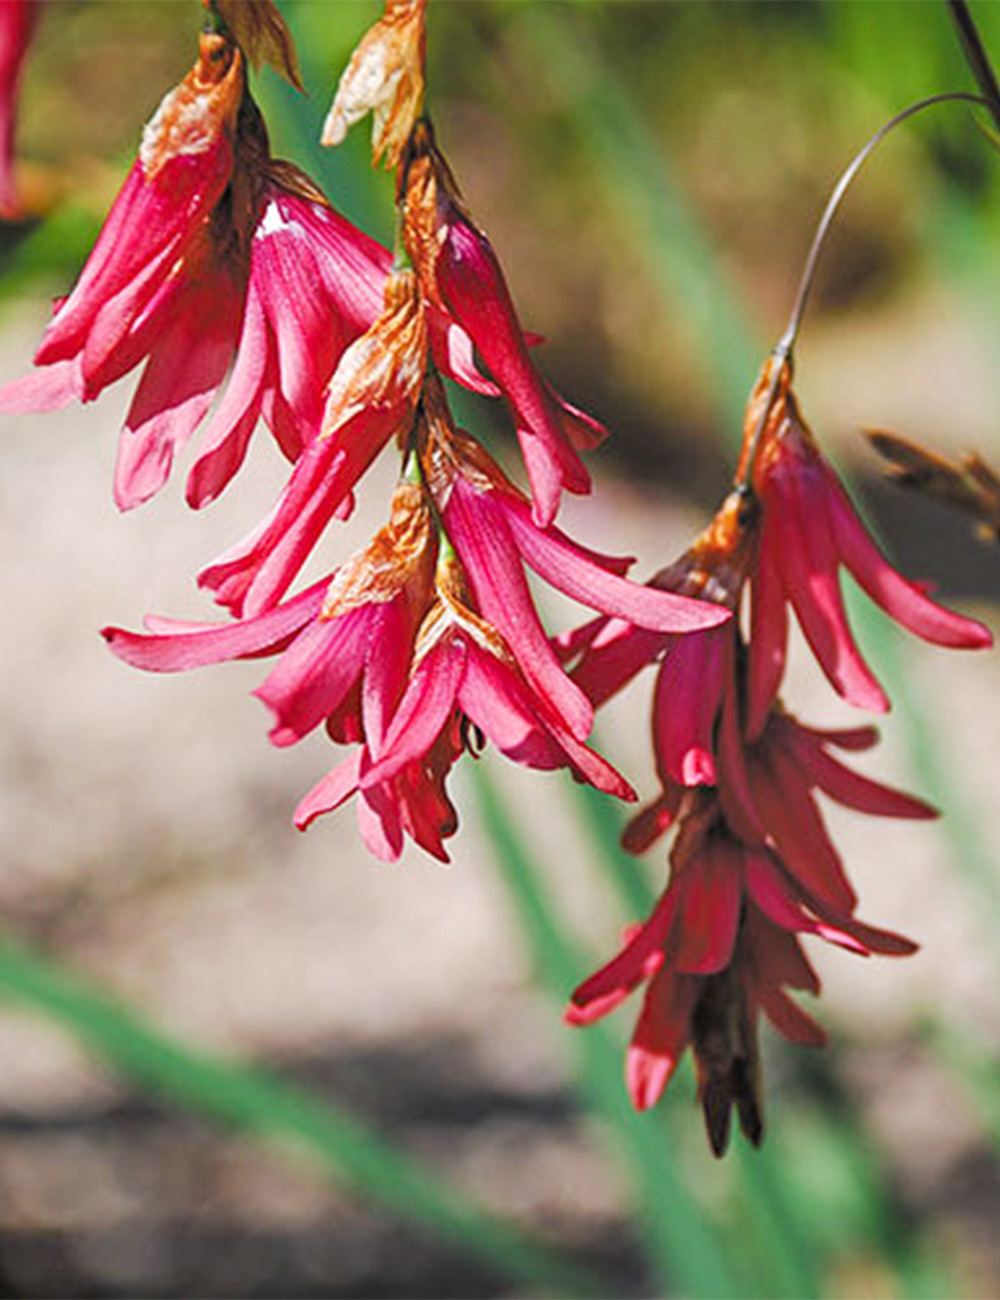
(752, 865)
(227, 276)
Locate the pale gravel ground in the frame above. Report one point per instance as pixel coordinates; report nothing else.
(145, 824)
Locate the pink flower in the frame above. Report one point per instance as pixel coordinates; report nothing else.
(463, 681)
(211, 250)
(404, 667)
(495, 535)
(17, 24)
(809, 529)
(461, 274)
(696, 707)
(372, 396)
(721, 946)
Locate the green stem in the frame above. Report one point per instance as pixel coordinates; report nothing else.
(975, 52)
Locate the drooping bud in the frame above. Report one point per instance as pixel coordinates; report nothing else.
(724, 1040)
(386, 78)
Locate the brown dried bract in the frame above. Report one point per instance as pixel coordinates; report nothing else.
(400, 555)
(295, 181)
(261, 32)
(386, 366)
(446, 451)
(452, 611)
(715, 565)
(970, 484)
(385, 77)
(430, 201)
(782, 421)
(194, 114)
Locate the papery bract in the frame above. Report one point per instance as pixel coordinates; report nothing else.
(385, 77)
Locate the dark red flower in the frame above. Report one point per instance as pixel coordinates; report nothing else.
(809, 530)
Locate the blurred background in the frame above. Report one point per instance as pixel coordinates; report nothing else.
(240, 1061)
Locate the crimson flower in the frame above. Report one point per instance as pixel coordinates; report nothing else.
(373, 394)
(808, 530)
(720, 948)
(494, 533)
(394, 659)
(461, 274)
(211, 250)
(464, 681)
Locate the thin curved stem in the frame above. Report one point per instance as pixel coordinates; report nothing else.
(842, 186)
(783, 350)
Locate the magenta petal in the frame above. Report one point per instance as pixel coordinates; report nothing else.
(789, 1019)
(736, 797)
(454, 354)
(334, 789)
(775, 896)
(315, 674)
(256, 573)
(809, 560)
(628, 968)
(902, 600)
(215, 643)
(496, 702)
(46, 389)
(560, 562)
(769, 631)
(177, 388)
(142, 237)
(710, 912)
(651, 822)
(661, 1036)
(686, 705)
(224, 440)
(379, 822)
(799, 836)
(480, 535)
(851, 738)
(473, 288)
(849, 788)
(387, 664)
(612, 659)
(423, 711)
